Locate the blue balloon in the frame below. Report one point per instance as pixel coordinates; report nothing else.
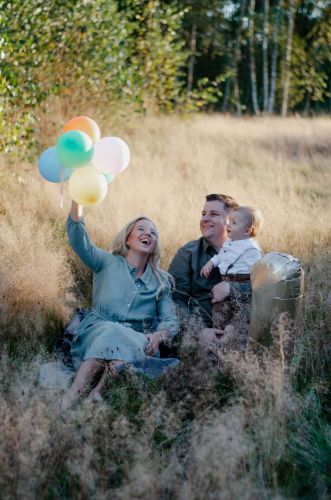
(50, 166)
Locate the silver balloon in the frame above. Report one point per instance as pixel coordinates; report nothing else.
(277, 287)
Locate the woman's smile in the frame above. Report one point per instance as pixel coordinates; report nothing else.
(146, 241)
(143, 237)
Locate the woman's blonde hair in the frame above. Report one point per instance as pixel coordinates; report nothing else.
(120, 247)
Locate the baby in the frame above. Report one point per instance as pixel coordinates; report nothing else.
(237, 255)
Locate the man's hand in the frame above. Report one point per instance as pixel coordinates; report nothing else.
(220, 292)
(206, 269)
(154, 340)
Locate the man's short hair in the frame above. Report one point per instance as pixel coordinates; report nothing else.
(229, 202)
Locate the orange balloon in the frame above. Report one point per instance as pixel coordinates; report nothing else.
(84, 124)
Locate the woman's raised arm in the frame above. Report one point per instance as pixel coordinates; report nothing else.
(76, 211)
(94, 257)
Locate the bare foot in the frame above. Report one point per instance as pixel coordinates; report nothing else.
(94, 397)
(67, 402)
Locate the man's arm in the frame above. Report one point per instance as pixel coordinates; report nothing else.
(180, 269)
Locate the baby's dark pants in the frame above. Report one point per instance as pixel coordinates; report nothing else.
(235, 310)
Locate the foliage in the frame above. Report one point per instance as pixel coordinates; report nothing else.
(85, 50)
(148, 55)
(158, 55)
(217, 27)
(309, 82)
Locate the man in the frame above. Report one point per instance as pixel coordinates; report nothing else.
(193, 292)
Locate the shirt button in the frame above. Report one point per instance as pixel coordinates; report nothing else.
(128, 305)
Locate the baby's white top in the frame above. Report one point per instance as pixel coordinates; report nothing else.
(248, 251)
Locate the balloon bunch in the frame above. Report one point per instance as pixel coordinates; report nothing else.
(88, 161)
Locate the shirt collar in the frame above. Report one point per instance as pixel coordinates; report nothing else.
(145, 277)
(208, 246)
(247, 242)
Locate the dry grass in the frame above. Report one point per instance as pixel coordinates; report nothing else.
(282, 167)
(259, 431)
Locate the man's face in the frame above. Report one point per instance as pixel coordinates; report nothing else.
(213, 220)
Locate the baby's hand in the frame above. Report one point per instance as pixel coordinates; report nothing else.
(206, 269)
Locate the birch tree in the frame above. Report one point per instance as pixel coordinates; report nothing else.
(274, 58)
(252, 57)
(265, 55)
(237, 57)
(287, 68)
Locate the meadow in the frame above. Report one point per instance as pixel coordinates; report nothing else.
(259, 429)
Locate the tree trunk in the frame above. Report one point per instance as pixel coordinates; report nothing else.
(274, 58)
(265, 56)
(193, 46)
(226, 95)
(237, 56)
(252, 57)
(307, 105)
(287, 71)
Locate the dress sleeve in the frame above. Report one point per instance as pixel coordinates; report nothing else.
(167, 317)
(92, 256)
(180, 269)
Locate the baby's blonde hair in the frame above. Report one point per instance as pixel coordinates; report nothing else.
(254, 218)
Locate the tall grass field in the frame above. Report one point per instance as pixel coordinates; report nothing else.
(259, 429)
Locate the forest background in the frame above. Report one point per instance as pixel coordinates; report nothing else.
(244, 57)
(211, 96)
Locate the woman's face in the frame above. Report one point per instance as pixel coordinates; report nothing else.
(143, 237)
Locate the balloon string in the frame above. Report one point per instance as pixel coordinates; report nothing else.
(61, 186)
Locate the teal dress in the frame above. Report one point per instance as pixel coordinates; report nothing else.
(124, 309)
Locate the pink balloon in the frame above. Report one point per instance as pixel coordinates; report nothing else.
(111, 155)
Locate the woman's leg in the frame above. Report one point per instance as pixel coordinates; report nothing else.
(83, 379)
(110, 370)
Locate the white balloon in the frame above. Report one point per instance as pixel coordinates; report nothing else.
(111, 155)
(87, 186)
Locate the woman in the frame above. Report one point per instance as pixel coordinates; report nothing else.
(131, 296)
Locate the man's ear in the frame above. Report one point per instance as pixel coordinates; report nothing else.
(249, 231)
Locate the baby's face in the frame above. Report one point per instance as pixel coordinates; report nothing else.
(237, 226)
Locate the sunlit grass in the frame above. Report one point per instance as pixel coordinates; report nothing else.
(252, 434)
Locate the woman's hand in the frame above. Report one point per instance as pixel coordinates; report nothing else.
(154, 340)
(76, 211)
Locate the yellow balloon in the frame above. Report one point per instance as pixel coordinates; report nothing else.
(87, 187)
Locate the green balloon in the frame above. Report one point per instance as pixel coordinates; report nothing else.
(74, 149)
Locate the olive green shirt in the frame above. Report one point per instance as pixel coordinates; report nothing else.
(192, 292)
